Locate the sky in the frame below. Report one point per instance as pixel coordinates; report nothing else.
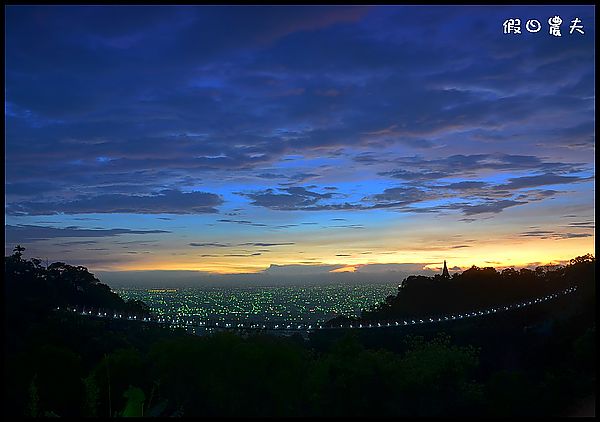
(298, 141)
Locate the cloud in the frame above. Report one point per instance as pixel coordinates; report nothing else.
(401, 195)
(227, 245)
(78, 242)
(243, 255)
(551, 234)
(536, 233)
(302, 270)
(472, 197)
(572, 235)
(537, 195)
(346, 226)
(166, 201)
(326, 271)
(396, 108)
(414, 175)
(266, 244)
(489, 207)
(30, 188)
(583, 224)
(413, 268)
(466, 185)
(24, 233)
(246, 222)
(292, 179)
(540, 180)
(294, 198)
(469, 164)
(209, 244)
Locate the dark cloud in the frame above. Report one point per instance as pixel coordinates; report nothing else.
(583, 224)
(402, 268)
(572, 235)
(401, 195)
(299, 198)
(466, 185)
(295, 198)
(295, 269)
(245, 222)
(227, 245)
(537, 194)
(215, 111)
(413, 175)
(471, 197)
(30, 188)
(166, 201)
(550, 234)
(540, 180)
(489, 207)
(536, 233)
(271, 176)
(470, 164)
(27, 233)
(141, 109)
(78, 242)
(291, 179)
(243, 255)
(137, 242)
(266, 244)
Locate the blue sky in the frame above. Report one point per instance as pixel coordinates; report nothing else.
(241, 139)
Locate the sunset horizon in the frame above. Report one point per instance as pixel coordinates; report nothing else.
(330, 139)
(299, 211)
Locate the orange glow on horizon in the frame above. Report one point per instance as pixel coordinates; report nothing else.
(427, 249)
(491, 255)
(347, 269)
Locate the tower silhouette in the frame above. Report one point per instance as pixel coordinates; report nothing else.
(445, 273)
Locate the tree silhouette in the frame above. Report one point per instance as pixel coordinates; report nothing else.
(57, 364)
(18, 251)
(479, 288)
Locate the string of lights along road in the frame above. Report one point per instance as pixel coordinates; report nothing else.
(179, 322)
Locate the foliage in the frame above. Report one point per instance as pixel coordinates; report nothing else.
(63, 364)
(477, 288)
(36, 290)
(32, 409)
(135, 402)
(92, 397)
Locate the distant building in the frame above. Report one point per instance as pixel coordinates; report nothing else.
(445, 273)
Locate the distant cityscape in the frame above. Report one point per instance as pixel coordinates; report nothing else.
(308, 304)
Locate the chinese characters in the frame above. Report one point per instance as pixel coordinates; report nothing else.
(513, 26)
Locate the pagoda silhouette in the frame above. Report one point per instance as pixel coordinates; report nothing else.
(445, 273)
